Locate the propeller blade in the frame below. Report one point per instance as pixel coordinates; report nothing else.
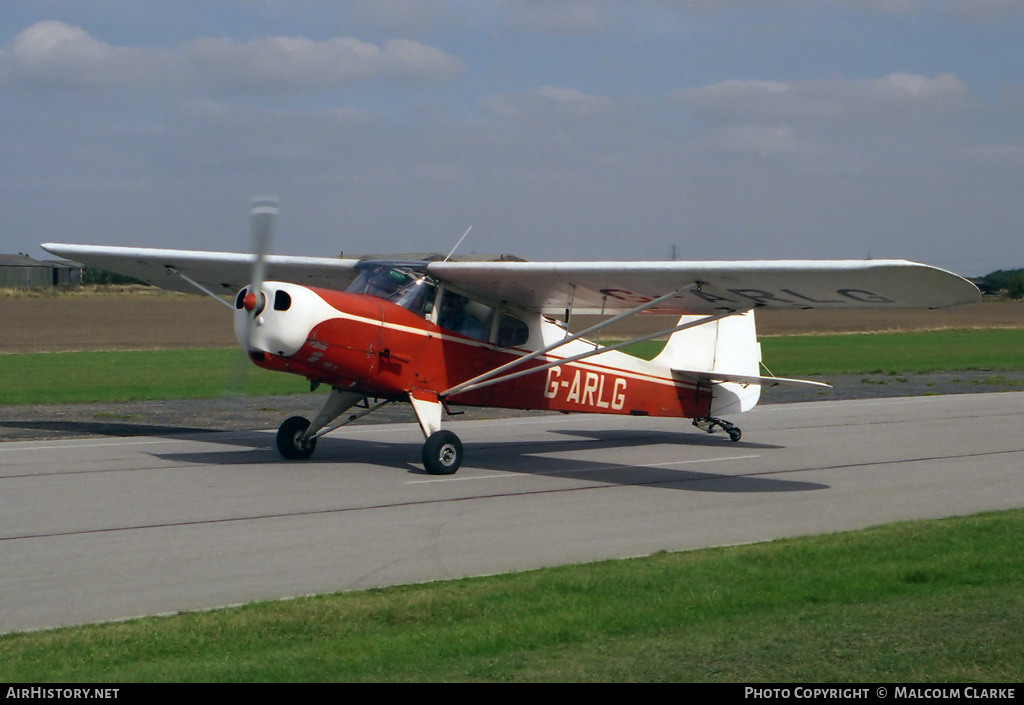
(262, 226)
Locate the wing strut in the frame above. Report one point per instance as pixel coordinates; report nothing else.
(543, 351)
(368, 409)
(193, 282)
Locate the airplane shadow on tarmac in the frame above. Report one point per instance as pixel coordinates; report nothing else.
(531, 457)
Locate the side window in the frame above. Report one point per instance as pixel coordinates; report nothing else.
(463, 316)
(512, 332)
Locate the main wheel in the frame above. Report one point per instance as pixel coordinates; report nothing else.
(289, 439)
(442, 453)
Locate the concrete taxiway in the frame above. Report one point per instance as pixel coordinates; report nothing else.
(98, 529)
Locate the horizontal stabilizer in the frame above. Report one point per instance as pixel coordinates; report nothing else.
(719, 377)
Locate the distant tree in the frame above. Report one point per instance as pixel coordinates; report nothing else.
(1015, 289)
(99, 276)
(1008, 280)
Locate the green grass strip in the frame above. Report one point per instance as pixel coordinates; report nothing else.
(920, 351)
(60, 378)
(913, 602)
(865, 353)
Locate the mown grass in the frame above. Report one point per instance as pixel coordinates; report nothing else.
(915, 352)
(50, 378)
(867, 353)
(913, 602)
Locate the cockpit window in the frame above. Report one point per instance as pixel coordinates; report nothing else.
(406, 286)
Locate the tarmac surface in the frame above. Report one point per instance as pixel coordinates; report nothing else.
(27, 422)
(104, 528)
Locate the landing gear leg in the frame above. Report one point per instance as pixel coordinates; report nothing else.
(442, 453)
(296, 437)
(708, 424)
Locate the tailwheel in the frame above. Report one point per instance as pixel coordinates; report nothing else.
(708, 424)
(290, 443)
(442, 453)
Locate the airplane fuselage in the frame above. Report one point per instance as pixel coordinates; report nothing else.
(364, 344)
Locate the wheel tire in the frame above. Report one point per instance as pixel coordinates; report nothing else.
(442, 453)
(288, 435)
(735, 434)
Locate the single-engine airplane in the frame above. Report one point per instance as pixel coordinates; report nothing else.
(445, 333)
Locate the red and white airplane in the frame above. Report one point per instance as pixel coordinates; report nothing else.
(446, 333)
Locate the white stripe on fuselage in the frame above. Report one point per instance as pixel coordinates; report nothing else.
(612, 361)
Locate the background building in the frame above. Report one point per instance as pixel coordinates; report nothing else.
(22, 272)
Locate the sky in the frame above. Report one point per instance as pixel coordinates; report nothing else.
(558, 129)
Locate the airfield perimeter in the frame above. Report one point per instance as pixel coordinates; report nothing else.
(100, 528)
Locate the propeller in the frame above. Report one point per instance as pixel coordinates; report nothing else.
(262, 225)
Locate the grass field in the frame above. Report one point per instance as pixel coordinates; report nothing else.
(921, 351)
(913, 602)
(866, 353)
(50, 378)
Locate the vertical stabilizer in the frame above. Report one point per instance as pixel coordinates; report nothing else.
(727, 346)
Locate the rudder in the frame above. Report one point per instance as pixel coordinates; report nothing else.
(729, 346)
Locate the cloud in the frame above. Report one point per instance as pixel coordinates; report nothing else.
(300, 64)
(52, 53)
(825, 97)
(548, 102)
(757, 139)
(55, 54)
(774, 116)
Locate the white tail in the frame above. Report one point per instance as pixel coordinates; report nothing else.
(727, 346)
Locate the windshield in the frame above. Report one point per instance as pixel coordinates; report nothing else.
(406, 286)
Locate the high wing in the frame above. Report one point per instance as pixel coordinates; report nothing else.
(221, 272)
(585, 287)
(705, 287)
